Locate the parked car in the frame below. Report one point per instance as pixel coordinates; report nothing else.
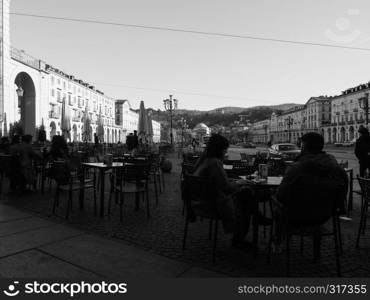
(248, 145)
(346, 144)
(286, 151)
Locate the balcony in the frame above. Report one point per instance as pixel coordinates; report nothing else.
(76, 119)
(350, 122)
(355, 110)
(346, 111)
(54, 115)
(60, 100)
(342, 123)
(80, 104)
(337, 113)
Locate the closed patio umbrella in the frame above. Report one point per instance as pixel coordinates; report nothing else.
(86, 134)
(100, 128)
(65, 121)
(5, 133)
(150, 127)
(142, 127)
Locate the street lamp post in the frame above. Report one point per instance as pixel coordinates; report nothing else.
(289, 122)
(363, 102)
(184, 126)
(170, 105)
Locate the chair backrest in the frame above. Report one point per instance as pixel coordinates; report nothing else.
(187, 169)
(365, 186)
(135, 172)
(60, 172)
(199, 196)
(313, 200)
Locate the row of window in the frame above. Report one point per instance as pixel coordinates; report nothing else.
(78, 90)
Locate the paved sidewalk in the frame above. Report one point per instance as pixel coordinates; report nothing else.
(33, 247)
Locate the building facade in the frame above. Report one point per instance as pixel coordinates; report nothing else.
(290, 125)
(32, 92)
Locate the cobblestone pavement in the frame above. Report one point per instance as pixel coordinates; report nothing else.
(162, 234)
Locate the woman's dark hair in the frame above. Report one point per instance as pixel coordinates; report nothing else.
(59, 148)
(15, 139)
(216, 146)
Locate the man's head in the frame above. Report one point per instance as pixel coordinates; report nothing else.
(312, 142)
(217, 146)
(363, 130)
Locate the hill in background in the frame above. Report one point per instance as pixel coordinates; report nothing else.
(224, 116)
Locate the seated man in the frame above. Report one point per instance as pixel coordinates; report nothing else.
(309, 187)
(234, 203)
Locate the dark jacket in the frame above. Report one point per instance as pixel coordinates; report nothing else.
(362, 147)
(212, 168)
(311, 181)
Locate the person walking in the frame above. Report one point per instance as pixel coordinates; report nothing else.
(362, 150)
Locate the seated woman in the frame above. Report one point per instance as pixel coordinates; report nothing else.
(235, 202)
(59, 148)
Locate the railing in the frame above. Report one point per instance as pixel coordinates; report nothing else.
(54, 115)
(21, 56)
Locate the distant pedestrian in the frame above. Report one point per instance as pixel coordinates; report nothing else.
(362, 150)
(135, 140)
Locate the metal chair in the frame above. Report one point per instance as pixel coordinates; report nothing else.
(199, 202)
(68, 179)
(365, 197)
(130, 179)
(312, 204)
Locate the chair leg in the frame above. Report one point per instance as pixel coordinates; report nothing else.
(95, 204)
(288, 256)
(301, 243)
(210, 229)
(120, 207)
(185, 233)
(56, 200)
(163, 181)
(360, 227)
(215, 242)
(337, 253)
(156, 191)
(110, 201)
(147, 203)
(264, 214)
(366, 208)
(316, 244)
(270, 243)
(69, 203)
(339, 234)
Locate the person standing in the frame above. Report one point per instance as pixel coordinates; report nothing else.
(362, 150)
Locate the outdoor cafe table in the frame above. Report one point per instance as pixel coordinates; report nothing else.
(272, 182)
(102, 169)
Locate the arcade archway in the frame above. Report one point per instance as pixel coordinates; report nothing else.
(26, 102)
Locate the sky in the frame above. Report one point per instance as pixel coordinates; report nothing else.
(202, 71)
